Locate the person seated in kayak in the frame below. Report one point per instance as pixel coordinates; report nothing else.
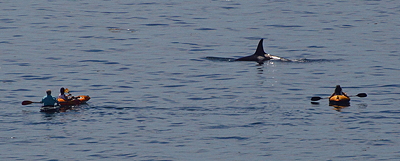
(65, 97)
(49, 100)
(338, 91)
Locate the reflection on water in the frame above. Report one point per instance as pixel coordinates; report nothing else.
(338, 107)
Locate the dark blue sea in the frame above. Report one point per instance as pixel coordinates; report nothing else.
(155, 95)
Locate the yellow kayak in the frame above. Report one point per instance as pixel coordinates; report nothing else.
(341, 100)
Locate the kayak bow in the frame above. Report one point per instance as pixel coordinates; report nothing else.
(79, 100)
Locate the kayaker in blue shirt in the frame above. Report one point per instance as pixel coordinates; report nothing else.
(48, 100)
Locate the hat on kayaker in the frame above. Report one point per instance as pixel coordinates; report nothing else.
(48, 91)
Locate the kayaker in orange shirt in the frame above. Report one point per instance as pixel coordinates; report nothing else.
(65, 97)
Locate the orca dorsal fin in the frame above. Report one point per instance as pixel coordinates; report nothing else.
(259, 56)
(260, 49)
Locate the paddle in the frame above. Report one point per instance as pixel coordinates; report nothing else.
(69, 94)
(28, 102)
(358, 95)
(316, 98)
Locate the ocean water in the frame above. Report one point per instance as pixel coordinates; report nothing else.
(155, 96)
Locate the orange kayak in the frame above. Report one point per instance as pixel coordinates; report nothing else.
(80, 100)
(341, 100)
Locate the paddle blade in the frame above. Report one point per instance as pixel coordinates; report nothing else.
(26, 102)
(361, 95)
(66, 90)
(315, 98)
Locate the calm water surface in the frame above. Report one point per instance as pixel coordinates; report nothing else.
(156, 97)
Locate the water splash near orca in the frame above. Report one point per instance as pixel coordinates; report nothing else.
(304, 60)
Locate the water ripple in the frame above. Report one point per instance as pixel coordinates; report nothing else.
(93, 50)
(230, 138)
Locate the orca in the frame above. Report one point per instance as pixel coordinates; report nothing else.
(260, 56)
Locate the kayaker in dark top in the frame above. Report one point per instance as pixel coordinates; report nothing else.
(338, 91)
(65, 97)
(48, 100)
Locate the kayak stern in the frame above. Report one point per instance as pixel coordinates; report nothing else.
(339, 100)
